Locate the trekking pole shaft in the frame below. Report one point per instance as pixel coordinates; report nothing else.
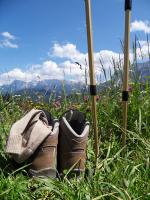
(90, 41)
(126, 68)
(95, 124)
(92, 73)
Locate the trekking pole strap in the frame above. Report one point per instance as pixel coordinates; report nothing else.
(128, 5)
(93, 90)
(125, 95)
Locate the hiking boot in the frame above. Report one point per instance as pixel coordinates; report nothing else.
(73, 136)
(44, 160)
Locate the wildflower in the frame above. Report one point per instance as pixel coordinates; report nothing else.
(97, 97)
(85, 99)
(57, 104)
(130, 89)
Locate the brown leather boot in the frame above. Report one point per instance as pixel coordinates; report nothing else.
(45, 158)
(73, 136)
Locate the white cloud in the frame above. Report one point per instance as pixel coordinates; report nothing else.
(6, 41)
(72, 71)
(143, 48)
(8, 44)
(140, 26)
(67, 51)
(46, 70)
(8, 35)
(70, 52)
(14, 74)
(68, 68)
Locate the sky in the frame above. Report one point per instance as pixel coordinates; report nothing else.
(43, 39)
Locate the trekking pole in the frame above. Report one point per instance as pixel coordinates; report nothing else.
(125, 94)
(92, 75)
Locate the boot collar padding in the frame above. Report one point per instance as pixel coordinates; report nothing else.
(67, 125)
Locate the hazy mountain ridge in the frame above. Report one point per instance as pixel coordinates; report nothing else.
(44, 88)
(142, 71)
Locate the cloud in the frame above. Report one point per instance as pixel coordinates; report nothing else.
(8, 35)
(140, 26)
(46, 70)
(14, 74)
(6, 41)
(67, 67)
(143, 48)
(8, 44)
(67, 51)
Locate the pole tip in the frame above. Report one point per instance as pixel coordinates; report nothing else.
(128, 5)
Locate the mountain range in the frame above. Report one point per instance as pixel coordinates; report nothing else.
(44, 88)
(141, 71)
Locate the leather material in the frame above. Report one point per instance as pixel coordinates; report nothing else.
(44, 160)
(72, 144)
(45, 157)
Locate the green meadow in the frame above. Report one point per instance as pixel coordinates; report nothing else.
(117, 175)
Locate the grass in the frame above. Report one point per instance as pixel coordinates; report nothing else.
(116, 177)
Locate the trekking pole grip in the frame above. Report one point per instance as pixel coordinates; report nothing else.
(128, 5)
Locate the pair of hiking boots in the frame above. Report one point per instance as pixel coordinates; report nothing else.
(64, 149)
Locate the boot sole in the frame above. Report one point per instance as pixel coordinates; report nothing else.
(43, 173)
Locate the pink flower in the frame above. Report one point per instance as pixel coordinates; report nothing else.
(130, 89)
(97, 97)
(57, 104)
(85, 99)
